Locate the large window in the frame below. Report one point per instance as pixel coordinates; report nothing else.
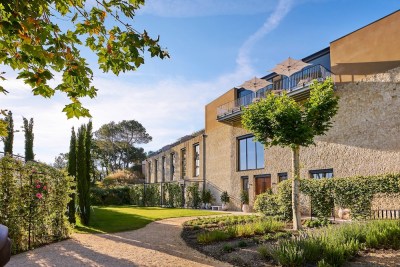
(163, 169)
(155, 171)
(183, 163)
(171, 166)
(319, 174)
(251, 154)
(196, 160)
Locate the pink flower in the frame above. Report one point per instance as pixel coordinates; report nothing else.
(39, 196)
(44, 187)
(38, 186)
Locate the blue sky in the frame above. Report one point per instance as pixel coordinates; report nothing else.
(214, 46)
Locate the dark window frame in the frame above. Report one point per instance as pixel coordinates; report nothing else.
(156, 170)
(245, 137)
(171, 166)
(183, 163)
(321, 171)
(243, 178)
(149, 171)
(282, 174)
(196, 156)
(163, 168)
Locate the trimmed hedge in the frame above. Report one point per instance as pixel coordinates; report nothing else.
(355, 193)
(139, 195)
(33, 196)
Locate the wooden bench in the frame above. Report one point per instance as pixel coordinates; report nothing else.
(216, 207)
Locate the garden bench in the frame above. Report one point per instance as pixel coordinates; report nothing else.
(216, 207)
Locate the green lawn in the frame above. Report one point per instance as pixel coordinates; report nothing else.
(113, 219)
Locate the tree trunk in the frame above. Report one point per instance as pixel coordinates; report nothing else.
(295, 187)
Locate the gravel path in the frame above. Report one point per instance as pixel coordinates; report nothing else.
(157, 244)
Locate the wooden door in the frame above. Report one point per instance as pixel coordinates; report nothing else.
(263, 183)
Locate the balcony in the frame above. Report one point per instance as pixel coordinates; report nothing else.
(296, 86)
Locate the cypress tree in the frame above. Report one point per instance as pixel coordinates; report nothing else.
(72, 172)
(83, 188)
(88, 167)
(28, 128)
(9, 139)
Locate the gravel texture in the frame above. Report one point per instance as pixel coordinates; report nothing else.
(157, 244)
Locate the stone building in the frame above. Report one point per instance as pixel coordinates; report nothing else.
(364, 139)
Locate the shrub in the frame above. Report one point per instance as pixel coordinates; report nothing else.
(173, 197)
(193, 195)
(110, 196)
(334, 245)
(136, 195)
(267, 204)
(225, 197)
(33, 195)
(206, 196)
(152, 196)
(228, 248)
(122, 177)
(355, 193)
(212, 236)
(242, 244)
(244, 197)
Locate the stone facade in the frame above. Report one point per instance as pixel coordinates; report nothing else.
(363, 140)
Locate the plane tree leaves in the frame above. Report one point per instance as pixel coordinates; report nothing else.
(40, 38)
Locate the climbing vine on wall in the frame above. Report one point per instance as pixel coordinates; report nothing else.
(354, 193)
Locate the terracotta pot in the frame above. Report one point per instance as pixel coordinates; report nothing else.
(224, 206)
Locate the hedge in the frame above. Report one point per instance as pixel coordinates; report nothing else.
(33, 196)
(139, 195)
(355, 193)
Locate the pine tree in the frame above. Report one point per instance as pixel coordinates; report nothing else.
(9, 139)
(28, 128)
(72, 172)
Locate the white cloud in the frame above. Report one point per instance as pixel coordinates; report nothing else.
(168, 108)
(199, 8)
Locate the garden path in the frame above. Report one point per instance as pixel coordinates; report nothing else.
(157, 244)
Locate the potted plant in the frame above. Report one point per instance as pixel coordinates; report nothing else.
(225, 200)
(244, 198)
(207, 198)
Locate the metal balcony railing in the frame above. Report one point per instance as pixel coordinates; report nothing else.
(297, 81)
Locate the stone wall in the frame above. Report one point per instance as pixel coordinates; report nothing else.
(363, 140)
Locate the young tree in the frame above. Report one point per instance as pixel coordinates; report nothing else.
(280, 120)
(8, 140)
(28, 129)
(72, 172)
(88, 150)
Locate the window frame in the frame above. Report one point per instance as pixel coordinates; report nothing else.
(163, 168)
(171, 166)
(321, 171)
(243, 178)
(183, 163)
(156, 170)
(245, 137)
(196, 156)
(280, 174)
